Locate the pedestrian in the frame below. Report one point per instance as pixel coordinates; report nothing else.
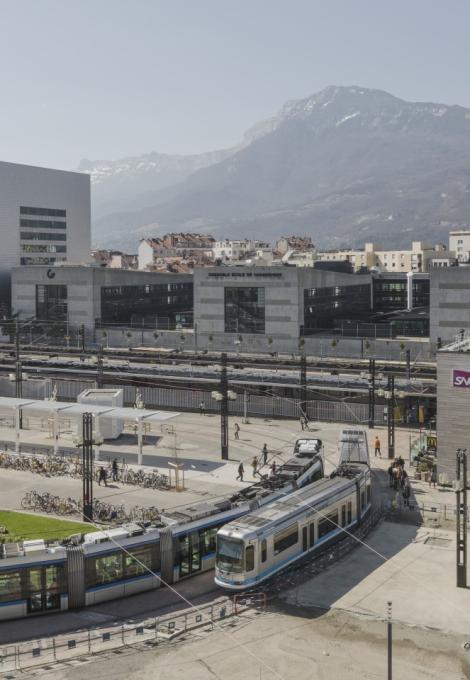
(377, 447)
(202, 409)
(241, 471)
(406, 491)
(400, 462)
(115, 470)
(254, 465)
(273, 468)
(102, 476)
(265, 454)
(433, 477)
(237, 431)
(302, 423)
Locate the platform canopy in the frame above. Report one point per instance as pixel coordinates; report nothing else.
(48, 407)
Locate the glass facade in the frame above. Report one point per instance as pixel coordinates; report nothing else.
(119, 566)
(323, 306)
(42, 224)
(390, 294)
(163, 305)
(51, 302)
(244, 310)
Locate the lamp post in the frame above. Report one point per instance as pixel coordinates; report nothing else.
(370, 377)
(461, 502)
(389, 395)
(223, 396)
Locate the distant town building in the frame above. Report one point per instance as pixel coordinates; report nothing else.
(459, 243)
(295, 243)
(229, 249)
(373, 256)
(299, 258)
(115, 259)
(183, 246)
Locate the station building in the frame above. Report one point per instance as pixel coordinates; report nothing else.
(96, 296)
(453, 404)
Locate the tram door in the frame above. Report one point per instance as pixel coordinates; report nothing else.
(43, 589)
(190, 554)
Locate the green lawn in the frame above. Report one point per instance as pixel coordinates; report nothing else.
(21, 525)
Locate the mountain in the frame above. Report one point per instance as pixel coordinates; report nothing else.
(346, 165)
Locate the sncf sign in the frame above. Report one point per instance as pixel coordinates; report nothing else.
(460, 378)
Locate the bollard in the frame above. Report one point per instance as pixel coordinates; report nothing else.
(156, 629)
(54, 654)
(89, 642)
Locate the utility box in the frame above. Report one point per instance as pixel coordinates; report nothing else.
(109, 427)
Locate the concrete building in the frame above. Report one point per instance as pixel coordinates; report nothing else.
(449, 302)
(374, 256)
(459, 244)
(299, 258)
(273, 304)
(89, 295)
(229, 250)
(44, 219)
(296, 243)
(453, 405)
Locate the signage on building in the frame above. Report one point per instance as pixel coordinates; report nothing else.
(460, 378)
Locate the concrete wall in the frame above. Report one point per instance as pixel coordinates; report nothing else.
(453, 409)
(450, 302)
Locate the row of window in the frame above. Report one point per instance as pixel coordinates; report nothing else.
(49, 248)
(119, 566)
(46, 212)
(39, 586)
(41, 260)
(41, 236)
(42, 224)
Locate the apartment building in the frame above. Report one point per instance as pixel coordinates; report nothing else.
(373, 256)
(459, 244)
(229, 249)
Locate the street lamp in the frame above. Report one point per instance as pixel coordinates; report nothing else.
(389, 395)
(370, 377)
(224, 399)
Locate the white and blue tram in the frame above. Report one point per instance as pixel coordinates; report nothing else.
(37, 578)
(256, 546)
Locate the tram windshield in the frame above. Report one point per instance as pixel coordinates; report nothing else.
(229, 554)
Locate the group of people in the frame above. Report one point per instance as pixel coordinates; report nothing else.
(399, 480)
(103, 475)
(257, 464)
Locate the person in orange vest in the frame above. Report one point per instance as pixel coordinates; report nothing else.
(377, 447)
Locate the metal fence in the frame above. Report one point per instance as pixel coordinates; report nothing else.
(262, 406)
(155, 630)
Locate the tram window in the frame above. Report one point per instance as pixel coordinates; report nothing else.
(349, 512)
(135, 563)
(343, 516)
(312, 534)
(368, 494)
(363, 499)
(102, 570)
(10, 586)
(286, 538)
(304, 538)
(250, 558)
(328, 524)
(264, 550)
(208, 540)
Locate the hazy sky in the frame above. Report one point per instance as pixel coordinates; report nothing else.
(110, 78)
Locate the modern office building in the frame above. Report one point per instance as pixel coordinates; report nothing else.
(92, 295)
(453, 405)
(280, 303)
(449, 302)
(44, 219)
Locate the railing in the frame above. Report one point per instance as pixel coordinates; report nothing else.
(155, 630)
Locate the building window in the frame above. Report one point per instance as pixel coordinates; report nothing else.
(41, 236)
(51, 302)
(42, 224)
(165, 305)
(46, 212)
(244, 310)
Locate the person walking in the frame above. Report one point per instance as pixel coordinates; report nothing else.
(377, 447)
(115, 470)
(302, 423)
(265, 454)
(241, 472)
(102, 476)
(433, 477)
(237, 431)
(202, 409)
(254, 465)
(273, 468)
(406, 491)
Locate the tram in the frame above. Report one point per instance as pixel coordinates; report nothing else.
(36, 577)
